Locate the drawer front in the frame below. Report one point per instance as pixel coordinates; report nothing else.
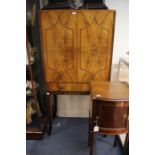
(110, 114)
(66, 87)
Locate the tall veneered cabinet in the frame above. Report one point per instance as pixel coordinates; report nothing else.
(76, 48)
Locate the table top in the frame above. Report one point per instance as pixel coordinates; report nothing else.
(110, 91)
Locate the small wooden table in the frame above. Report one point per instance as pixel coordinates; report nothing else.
(106, 90)
(110, 109)
(113, 95)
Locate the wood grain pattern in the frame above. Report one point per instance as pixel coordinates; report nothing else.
(112, 115)
(95, 48)
(110, 109)
(68, 87)
(76, 45)
(104, 90)
(58, 29)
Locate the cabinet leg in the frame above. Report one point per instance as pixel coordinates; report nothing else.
(50, 128)
(115, 141)
(49, 113)
(55, 106)
(89, 135)
(90, 128)
(91, 142)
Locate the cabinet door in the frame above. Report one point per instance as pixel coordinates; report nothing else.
(111, 114)
(58, 29)
(95, 43)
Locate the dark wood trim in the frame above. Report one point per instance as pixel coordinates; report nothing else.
(89, 128)
(69, 93)
(49, 113)
(41, 47)
(126, 144)
(107, 99)
(34, 134)
(54, 106)
(73, 10)
(123, 147)
(91, 142)
(112, 43)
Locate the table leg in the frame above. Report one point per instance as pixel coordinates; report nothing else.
(115, 141)
(89, 129)
(91, 142)
(126, 144)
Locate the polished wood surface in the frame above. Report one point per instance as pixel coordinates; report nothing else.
(104, 90)
(110, 109)
(95, 41)
(58, 45)
(112, 116)
(49, 113)
(76, 47)
(68, 87)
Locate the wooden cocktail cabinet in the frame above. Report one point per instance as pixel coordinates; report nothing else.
(76, 48)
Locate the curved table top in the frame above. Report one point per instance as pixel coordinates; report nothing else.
(109, 91)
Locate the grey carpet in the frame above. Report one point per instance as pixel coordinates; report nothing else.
(70, 137)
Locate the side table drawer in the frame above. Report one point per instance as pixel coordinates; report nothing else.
(110, 113)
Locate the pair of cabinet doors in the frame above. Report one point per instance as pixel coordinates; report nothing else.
(76, 47)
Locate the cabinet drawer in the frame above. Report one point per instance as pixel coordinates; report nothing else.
(76, 88)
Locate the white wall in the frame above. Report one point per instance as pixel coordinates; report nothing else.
(73, 105)
(78, 106)
(121, 39)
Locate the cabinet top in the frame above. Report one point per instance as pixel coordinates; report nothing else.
(74, 10)
(110, 91)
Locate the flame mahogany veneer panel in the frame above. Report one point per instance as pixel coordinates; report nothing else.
(76, 47)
